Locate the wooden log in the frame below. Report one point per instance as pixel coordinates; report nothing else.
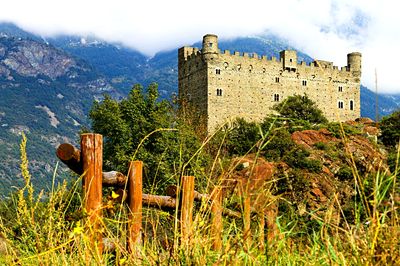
(159, 201)
(231, 213)
(135, 207)
(172, 191)
(216, 218)
(71, 157)
(114, 179)
(186, 209)
(92, 161)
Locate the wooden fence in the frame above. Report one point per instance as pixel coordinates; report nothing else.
(88, 162)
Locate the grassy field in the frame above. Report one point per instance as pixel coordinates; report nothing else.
(50, 229)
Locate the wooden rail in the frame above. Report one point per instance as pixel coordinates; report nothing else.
(88, 161)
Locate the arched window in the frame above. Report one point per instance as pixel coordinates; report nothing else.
(276, 97)
(219, 92)
(340, 104)
(351, 105)
(218, 71)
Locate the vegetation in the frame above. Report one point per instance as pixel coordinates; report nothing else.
(300, 108)
(140, 127)
(390, 137)
(39, 228)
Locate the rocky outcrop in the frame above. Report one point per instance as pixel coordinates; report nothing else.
(31, 58)
(312, 193)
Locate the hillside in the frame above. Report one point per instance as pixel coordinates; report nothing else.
(47, 86)
(45, 93)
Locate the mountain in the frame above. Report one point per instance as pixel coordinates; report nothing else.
(47, 86)
(387, 104)
(45, 93)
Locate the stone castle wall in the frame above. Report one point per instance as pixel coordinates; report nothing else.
(224, 86)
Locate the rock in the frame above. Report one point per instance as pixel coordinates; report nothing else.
(309, 137)
(365, 120)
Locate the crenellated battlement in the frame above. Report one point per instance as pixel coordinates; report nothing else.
(194, 53)
(222, 84)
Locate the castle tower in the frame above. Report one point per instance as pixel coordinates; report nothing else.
(289, 60)
(210, 46)
(354, 63)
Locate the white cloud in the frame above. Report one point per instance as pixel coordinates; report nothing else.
(323, 29)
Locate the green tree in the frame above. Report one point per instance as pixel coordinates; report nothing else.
(390, 127)
(240, 139)
(141, 127)
(299, 107)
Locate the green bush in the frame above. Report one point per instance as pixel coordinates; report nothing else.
(390, 128)
(321, 146)
(297, 158)
(336, 129)
(298, 108)
(344, 173)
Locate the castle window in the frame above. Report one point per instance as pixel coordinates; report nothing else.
(304, 82)
(226, 65)
(340, 89)
(210, 44)
(277, 80)
(239, 67)
(276, 97)
(351, 105)
(219, 92)
(291, 60)
(218, 71)
(340, 104)
(250, 68)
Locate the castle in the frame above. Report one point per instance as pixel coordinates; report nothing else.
(222, 86)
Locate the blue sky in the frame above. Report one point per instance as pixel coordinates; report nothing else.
(325, 29)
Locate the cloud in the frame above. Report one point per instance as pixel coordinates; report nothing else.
(323, 29)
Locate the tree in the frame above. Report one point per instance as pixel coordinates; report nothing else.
(140, 127)
(390, 127)
(299, 107)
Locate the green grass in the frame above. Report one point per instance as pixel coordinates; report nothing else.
(52, 229)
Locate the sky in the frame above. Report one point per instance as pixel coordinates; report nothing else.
(324, 29)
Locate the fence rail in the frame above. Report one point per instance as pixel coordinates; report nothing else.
(87, 161)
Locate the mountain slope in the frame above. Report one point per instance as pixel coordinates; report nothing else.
(45, 93)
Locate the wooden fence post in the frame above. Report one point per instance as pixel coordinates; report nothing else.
(187, 198)
(216, 218)
(135, 206)
(92, 162)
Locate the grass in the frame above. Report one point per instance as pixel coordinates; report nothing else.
(52, 229)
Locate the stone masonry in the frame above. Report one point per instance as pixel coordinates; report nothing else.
(222, 86)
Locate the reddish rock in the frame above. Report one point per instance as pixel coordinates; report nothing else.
(309, 137)
(365, 120)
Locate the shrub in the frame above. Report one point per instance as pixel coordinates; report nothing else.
(390, 128)
(299, 108)
(321, 146)
(344, 173)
